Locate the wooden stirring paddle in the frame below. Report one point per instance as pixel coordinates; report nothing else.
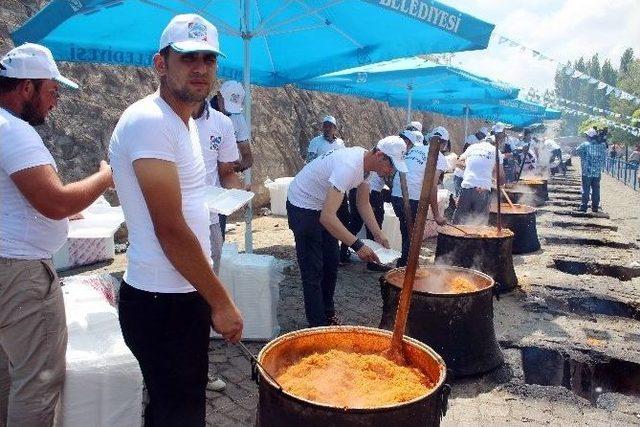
(396, 351)
(506, 196)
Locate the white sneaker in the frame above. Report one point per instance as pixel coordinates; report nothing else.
(215, 384)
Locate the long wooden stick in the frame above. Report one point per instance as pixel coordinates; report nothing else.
(498, 188)
(396, 352)
(408, 217)
(525, 151)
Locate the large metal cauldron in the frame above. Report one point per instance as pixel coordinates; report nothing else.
(520, 219)
(278, 408)
(528, 192)
(459, 326)
(481, 249)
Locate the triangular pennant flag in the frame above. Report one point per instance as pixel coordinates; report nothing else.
(512, 43)
(576, 74)
(601, 85)
(609, 89)
(502, 40)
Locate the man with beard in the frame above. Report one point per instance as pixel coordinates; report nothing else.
(170, 294)
(34, 207)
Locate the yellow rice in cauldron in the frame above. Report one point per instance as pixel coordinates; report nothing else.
(353, 380)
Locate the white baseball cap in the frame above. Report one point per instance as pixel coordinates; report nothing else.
(233, 93)
(190, 33)
(441, 132)
(483, 130)
(498, 127)
(330, 119)
(395, 148)
(591, 132)
(414, 136)
(415, 125)
(32, 61)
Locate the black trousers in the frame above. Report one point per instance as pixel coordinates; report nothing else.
(318, 256)
(169, 335)
(398, 208)
(344, 216)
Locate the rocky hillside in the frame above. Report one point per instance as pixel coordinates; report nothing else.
(284, 119)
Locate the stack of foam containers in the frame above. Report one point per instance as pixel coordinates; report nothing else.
(278, 194)
(391, 227)
(90, 239)
(253, 282)
(103, 383)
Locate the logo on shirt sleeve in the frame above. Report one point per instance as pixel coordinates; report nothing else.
(214, 142)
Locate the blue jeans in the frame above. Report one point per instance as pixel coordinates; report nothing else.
(590, 185)
(398, 208)
(318, 256)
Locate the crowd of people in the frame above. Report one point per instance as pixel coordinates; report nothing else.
(165, 151)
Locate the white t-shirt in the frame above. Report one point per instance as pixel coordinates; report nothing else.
(471, 139)
(375, 181)
(218, 144)
(24, 232)
(551, 145)
(479, 162)
(319, 146)
(342, 169)
(416, 160)
(240, 127)
(150, 129)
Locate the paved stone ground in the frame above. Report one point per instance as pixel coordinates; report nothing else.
(587, 320)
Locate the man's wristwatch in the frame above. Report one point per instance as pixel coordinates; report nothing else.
(357, 245)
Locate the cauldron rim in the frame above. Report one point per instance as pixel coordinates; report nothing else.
(443, 230)
(489, 288)
(353, 329)
(531, 209)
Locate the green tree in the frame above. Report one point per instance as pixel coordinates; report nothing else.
(629, 82)
(626, 60)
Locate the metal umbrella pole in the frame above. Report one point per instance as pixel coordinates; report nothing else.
(466, 121)
(246, 40)
(409, 93)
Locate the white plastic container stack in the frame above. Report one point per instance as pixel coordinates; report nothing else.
(278, 193)
(90, 239)
(391, 227)
(253, 282)
(103, 383)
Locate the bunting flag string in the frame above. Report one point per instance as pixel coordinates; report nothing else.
(570, 71)
(536, 97)
(611, 123)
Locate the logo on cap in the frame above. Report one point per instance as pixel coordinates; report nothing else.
(197, 31)
(235, 97)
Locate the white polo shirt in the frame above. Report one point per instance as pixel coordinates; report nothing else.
(218, 144)
(480, 160)
(319, 146)
(24, 232)
(150, 129)
(342, 169)
(416, 159)
(240, 127)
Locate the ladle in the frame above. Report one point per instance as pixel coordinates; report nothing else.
(396, 351)
(254, 359)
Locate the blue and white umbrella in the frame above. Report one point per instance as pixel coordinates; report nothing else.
(266, 42)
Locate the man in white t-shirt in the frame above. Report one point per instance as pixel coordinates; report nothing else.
(220, 153)
(34, 207)
(326, 141)
(416, 160)
(170, 294)
(229, 101)
(478, 162)
(314, 196)
(319, 146)
(556, 153)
